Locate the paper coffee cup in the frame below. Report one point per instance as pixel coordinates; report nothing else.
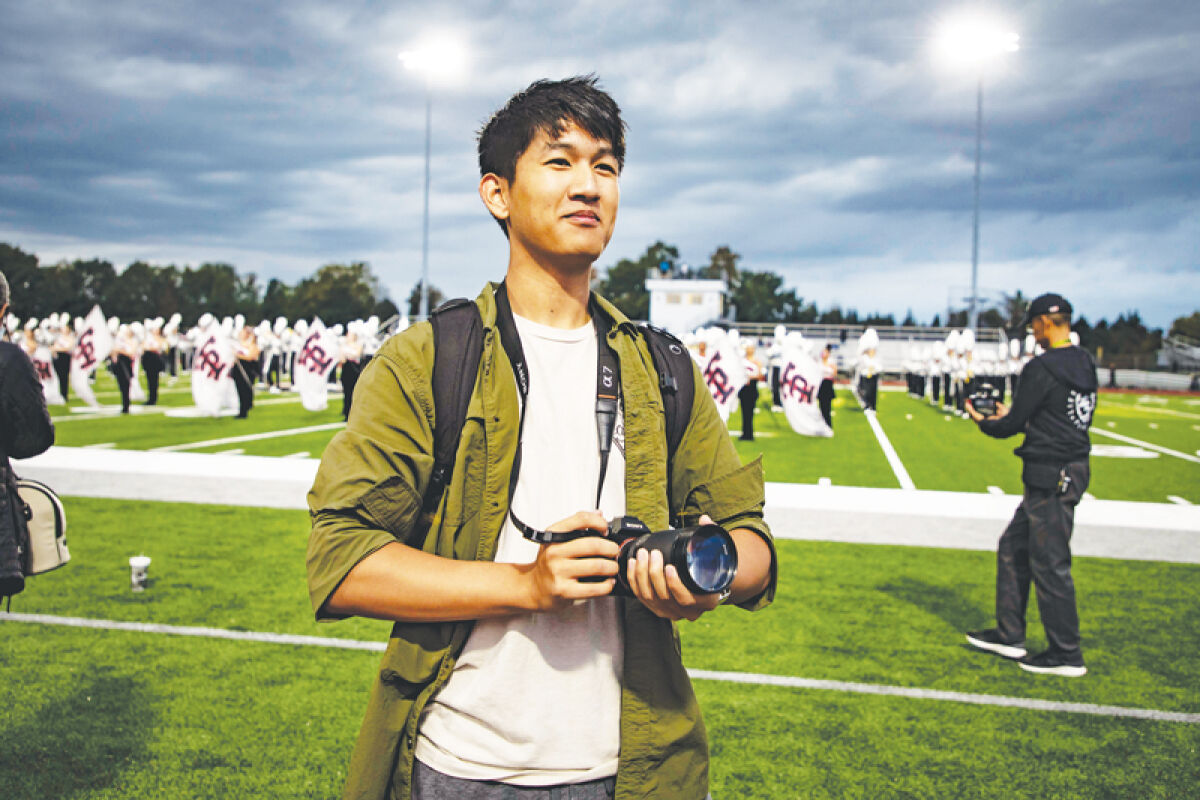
(137, 572)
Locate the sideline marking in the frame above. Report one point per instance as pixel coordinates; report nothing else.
(699, 674)
(1142, 407)
(890, 452)
(250, 437)
(1122, 438)
(101, 446)
(956, 697)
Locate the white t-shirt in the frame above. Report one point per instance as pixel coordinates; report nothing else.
(535, 699)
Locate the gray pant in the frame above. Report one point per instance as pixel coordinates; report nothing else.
(429, 784)
(1037, 545)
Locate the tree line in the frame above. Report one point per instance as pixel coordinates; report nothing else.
(762, 297)
(344, 292)
(335, 292)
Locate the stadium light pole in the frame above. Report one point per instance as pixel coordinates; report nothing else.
(437, 60)
(974, 42)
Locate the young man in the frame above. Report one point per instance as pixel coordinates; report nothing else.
(512, 671)
(1054, 410)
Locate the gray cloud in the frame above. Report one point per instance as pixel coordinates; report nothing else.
(817, 139)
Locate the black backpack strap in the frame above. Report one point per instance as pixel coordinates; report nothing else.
(457, 348)
(675, 381)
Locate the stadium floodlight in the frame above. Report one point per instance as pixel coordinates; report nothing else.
(440, 60)
(973, 42)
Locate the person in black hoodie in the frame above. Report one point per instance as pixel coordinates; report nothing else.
(25, 431)
(1053, 408)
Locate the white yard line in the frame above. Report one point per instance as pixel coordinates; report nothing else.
(1130, 440)
(890, 452)
(745, 678)
(301, 454)
(1142, 407)
(101, 446)
(1028, 703)
(1177, 500)
(995, 490)
(250, 437)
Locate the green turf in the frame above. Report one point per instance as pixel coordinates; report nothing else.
(107, 714)
(939, 451)
(850, 458)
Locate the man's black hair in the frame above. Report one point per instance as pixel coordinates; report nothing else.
(548, 106)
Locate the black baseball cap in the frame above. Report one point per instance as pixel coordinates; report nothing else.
(1047, 304)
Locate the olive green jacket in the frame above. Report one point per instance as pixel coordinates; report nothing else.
(368, 493)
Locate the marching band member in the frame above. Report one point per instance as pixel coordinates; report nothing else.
(153, 348)
(61, 350)
(825, 391)
(868, 369)
(29, 338)
(124, 353)
(246, 368)
(748, 394)
(352, 351)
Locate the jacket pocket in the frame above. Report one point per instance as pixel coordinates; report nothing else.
(414, 654)
(1041, 476)
(393, 505)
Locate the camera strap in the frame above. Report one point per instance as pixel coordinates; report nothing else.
(608, 391)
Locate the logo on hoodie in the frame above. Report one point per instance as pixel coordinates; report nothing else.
(1080, 407)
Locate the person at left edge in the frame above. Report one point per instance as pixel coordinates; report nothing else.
(509, 673)
(25, 431)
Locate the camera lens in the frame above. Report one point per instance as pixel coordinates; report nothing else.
(711, 559)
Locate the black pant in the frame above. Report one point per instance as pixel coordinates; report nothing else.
(1037, 545)
(350, 372)
(152, 365)
(273, 369)
(869, 387)
(243, 381)
(776, 386)
(748, 398)
(62, 368)
(123, 370)
(825, 400)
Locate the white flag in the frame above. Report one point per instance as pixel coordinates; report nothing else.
(212, 367)
(43, 365)
(724, 373)
(799, 380)
(93, 346)
(317, 357)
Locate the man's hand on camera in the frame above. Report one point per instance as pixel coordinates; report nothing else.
(555, 575)
(1001, 410)
(662, 591)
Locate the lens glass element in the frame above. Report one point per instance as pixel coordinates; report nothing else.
(710, 560)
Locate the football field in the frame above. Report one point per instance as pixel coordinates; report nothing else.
(216, 683)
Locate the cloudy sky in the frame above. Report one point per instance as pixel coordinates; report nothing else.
(821, 140)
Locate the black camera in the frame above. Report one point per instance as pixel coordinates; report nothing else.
(705, 556)
(984, 400)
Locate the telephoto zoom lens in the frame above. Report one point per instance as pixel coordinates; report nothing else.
(705, 556)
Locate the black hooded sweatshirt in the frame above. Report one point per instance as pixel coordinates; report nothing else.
(25, 431)
(1054, 406)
